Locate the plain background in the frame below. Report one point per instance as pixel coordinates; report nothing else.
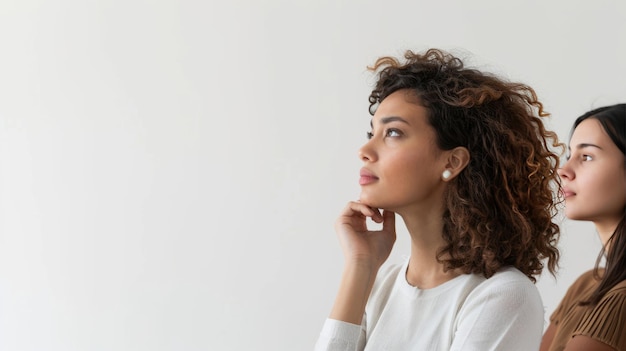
(171, 170)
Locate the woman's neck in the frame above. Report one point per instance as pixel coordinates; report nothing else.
(605, 229)
(424, 270)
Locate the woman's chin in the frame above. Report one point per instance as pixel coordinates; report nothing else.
(372, 202)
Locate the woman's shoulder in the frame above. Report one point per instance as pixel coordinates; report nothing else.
(508, 289)
(508, 286)
(582, 288)
(508, 282)
(587, 277)
(618, 292)
(620, 288)
(508, 276)
(582, 285)
(613, 303)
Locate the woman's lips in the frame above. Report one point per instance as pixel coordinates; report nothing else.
(567, 193)
(367, 177)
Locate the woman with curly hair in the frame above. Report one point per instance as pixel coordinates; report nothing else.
(464, 158)
(592, 315)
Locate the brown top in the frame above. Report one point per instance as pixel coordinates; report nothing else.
(605, 322)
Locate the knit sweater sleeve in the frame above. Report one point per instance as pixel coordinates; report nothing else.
(505, 313)
(341, 336)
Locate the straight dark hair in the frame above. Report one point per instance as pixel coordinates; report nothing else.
(613, 121)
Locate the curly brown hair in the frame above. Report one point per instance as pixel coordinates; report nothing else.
(500, 209)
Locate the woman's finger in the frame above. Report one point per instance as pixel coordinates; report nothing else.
(389, 221)
(354, 207)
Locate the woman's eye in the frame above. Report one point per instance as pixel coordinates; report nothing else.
(392, 132)
(370, 135)
(587, 158)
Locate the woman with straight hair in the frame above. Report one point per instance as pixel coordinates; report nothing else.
(592, 315)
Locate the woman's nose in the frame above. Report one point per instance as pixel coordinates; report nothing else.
(565, 171)
(366, 152)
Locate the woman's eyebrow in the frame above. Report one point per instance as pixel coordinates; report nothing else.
(386, 120)
(584, 145)
(390, 119)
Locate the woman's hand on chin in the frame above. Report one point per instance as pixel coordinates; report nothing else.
(360, 245)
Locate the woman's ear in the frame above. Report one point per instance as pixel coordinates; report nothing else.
(458, 158)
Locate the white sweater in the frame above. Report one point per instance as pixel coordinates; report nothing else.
(467, 313)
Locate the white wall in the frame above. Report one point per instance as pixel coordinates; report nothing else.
(171, 170)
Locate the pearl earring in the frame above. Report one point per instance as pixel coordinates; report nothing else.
(446, 174)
